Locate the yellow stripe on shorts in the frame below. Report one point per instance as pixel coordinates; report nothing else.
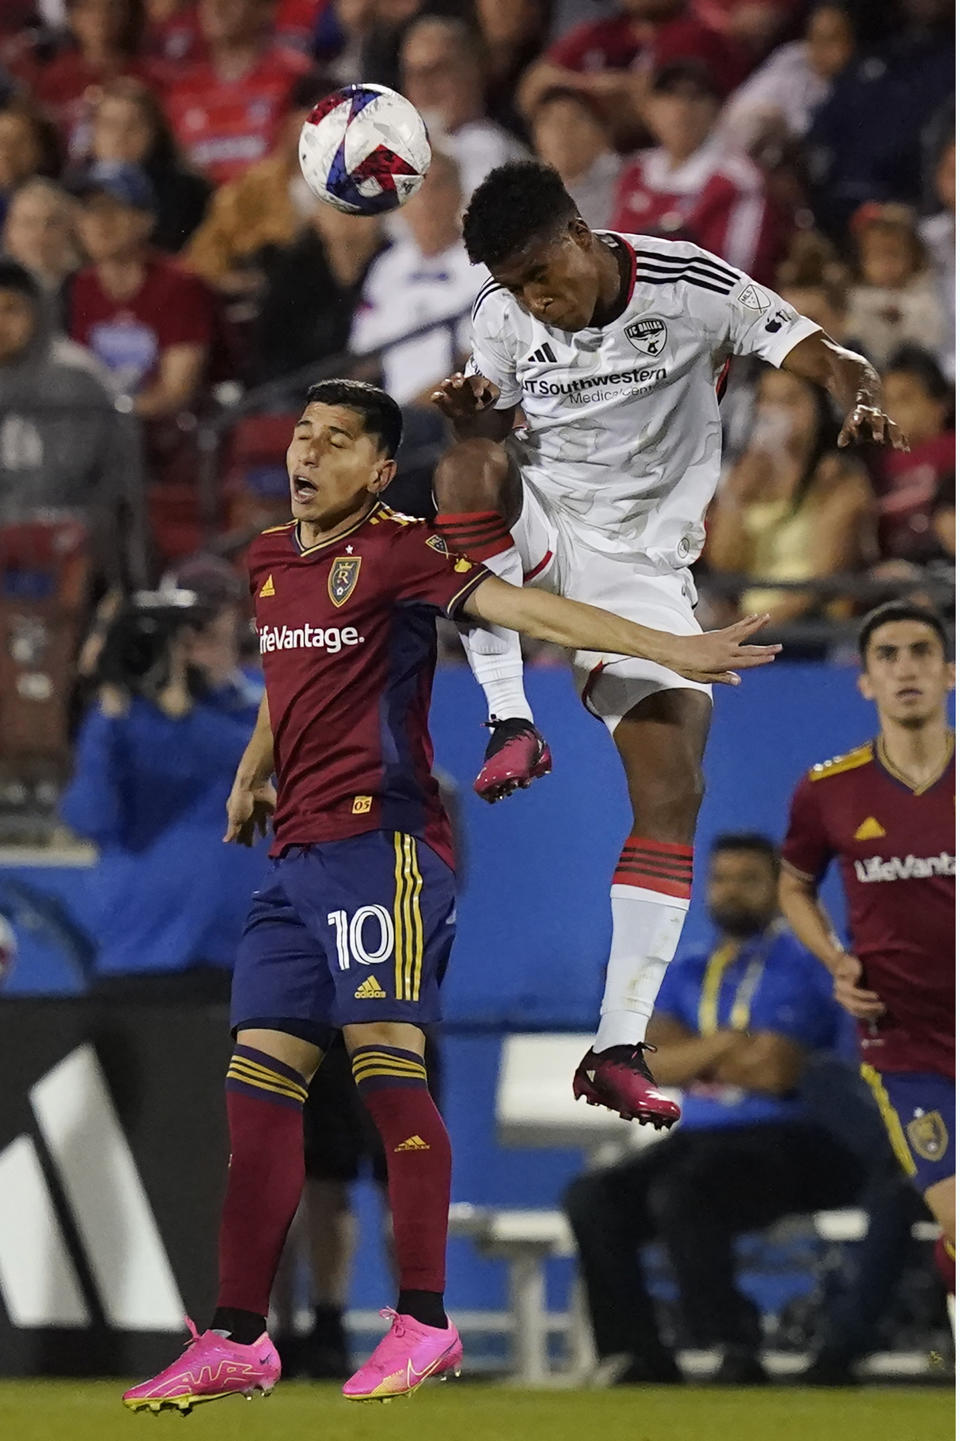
(891, 1120)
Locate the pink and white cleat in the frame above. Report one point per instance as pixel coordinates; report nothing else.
(407, 1355)
(210, 1368)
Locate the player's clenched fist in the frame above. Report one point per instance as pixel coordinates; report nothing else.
(864, 1005)
(464, 395)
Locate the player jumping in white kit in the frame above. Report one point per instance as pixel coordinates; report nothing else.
(613, 347)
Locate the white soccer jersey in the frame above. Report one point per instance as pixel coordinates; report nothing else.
(622, 422)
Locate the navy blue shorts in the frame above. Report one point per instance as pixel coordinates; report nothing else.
(345, 932)
(919, 1110)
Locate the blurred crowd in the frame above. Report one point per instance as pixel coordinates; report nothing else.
(168, 282)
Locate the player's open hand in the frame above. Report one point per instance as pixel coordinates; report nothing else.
(461, 395)
(249, 813)
(864, 1005)
(866, 423)
(716, 656)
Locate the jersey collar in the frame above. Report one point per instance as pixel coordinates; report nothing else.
(302, 549)
(883, 760)
(617, 243)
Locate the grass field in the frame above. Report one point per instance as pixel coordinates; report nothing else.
(91, 1411)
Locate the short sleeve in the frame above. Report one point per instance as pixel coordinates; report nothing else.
(491, 350)
(740, 316)
(806, 846)
(795, 999)
(428, 573)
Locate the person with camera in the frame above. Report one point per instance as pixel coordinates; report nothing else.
(155, 756)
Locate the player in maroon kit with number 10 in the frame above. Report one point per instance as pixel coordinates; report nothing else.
(353, 926)
(885, 811)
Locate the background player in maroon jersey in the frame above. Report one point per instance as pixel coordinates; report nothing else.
(353, 926)
(885, 812)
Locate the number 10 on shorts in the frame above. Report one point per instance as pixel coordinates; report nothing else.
(352, 938)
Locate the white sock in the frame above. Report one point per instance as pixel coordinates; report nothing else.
(646, 933)
(494, 652)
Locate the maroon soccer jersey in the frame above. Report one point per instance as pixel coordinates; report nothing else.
(895, 848)
(348, 641)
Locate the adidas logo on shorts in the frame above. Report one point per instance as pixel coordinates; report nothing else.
(370, 990)
(412, 1143)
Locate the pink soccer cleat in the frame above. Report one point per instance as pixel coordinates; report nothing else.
(407, 1355)
(620, 1079)
(210, 1368)
(516, 754)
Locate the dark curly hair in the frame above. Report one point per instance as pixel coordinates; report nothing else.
(517, 203)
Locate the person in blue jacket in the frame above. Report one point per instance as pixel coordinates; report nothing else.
(154, 762)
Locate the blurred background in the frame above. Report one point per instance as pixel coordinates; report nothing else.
(168, 288)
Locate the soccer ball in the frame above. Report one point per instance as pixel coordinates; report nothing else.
(364, 149)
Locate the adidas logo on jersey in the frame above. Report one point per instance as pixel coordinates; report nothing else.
(544, 354)
(370, 990)
(267, 589)
(869, 830)
(905, 868)
(412, 1143)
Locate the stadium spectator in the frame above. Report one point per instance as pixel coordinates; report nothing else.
(735, 1027)
(792, 507)
(38, 233)
(693, 186)
(512, 33)
(426, 279)
(570, 133)
(916, 488)
(939, 234)
(149, 322)
(226, 112)
(754, 24)
(781, 96)
(63, 447)
(154, 326)
(866, 139)
(104, 42)
(263, 208)
(130, 128)
(893, 301)
(28, 146)
(154, 760)
(313, 288)
(612, 58)
(345, 30)
(442, 75)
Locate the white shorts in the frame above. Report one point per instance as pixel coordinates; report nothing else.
(555, 558)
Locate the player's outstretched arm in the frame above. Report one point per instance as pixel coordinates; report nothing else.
(713, 656)
(252, 799)
(854, 385)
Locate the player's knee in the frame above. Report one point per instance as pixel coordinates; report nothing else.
(473, 475)
(666, 804)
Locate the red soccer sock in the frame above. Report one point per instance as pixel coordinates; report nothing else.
(480, 534)
(393, 1086)
(265, 1114)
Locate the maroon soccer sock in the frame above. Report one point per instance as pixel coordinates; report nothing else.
(393, 1085)
(265, 1114)
(480, 534)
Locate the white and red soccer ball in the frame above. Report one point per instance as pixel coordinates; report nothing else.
(364, 149)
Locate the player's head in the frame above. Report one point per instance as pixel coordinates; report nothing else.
(342, 449)
(525, 228)
(742, 883)
(905, 659)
